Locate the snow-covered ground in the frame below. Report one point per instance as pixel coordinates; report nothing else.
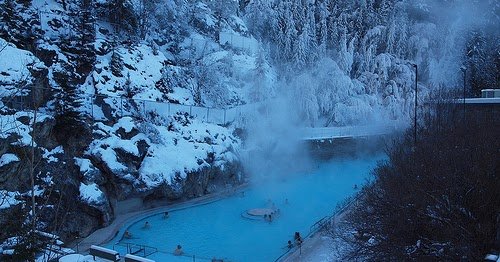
(15, 65)
(319, 248)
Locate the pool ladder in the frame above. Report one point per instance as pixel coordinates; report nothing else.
(136, 249)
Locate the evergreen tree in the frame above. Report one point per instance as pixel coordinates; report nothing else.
(345, 59)
(29, 243)
(482, 61)
(85, 32)
(300, 54)
(116, 63)
(286, 34)
(259, 88)
(260, 17)
(391, 37)
(333, 32)
(311, 41)
(322, 28)
(401, 32)
(69, 121)
(121, 13)
(128, 88)
(67, 115)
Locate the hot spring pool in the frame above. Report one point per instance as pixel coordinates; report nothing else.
(218, 229)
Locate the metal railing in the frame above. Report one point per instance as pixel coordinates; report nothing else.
(317, 133)
(145, 251)
(322, 223)
(101, 107)
(137, 249)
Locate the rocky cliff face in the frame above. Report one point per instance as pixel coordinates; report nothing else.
(103, 130)
(75, 190)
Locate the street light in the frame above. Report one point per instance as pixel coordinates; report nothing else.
(464, 70)
(415, 113)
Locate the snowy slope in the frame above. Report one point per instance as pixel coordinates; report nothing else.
(175, 148)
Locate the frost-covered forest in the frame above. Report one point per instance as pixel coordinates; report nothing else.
(347, 62)
(85, 86)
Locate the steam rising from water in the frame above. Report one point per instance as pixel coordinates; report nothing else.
(274, 147)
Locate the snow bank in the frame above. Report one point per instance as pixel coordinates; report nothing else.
(14, 68)
(11, 125)
(143, 67)
(84, 164)
(175, 148)
(7, 159)
(238, 41)
(77, 258)
(49, 154)
(91, 194)
(192, 145)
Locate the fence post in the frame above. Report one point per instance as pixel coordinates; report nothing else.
(168, 108)
(121, 106)
(194, 259)
(190, 109)
(208, 110)
(224, 117)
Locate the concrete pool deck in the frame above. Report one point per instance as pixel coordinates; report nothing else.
(124, 216)
(314, 246)
(313, 249)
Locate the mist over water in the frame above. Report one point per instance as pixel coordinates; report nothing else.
(437, 35)
(274, 147)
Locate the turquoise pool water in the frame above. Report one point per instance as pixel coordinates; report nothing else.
(218, 230)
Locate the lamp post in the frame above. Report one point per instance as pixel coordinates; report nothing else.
(464, 70)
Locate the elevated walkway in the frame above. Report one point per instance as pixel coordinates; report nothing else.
(324, 133)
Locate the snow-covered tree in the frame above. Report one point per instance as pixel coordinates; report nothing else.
(345, 54)
(260, 17)
(116, 63)
(305, 99)
(84, 28)
(122, 14)
(286, 33)
(300, 55)
(260, 87)
(322, 28)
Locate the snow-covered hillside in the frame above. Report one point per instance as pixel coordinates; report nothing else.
(102, 133)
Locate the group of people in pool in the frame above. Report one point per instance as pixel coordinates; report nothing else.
(177, 251)
(270, 216)
(146, 225)
(297, 239)
(275, 211)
